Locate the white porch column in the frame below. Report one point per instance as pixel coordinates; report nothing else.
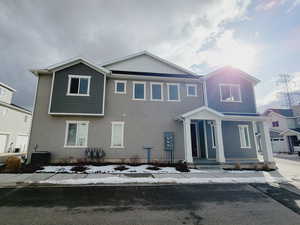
(267, 147)
(187, 141)
(220, 156)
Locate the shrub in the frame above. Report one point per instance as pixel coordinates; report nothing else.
(121, 168)
(182, 167)
(134, 160)
(266, 167)
(12, 164)
(79, 168)
(153, 168)
(237, 166)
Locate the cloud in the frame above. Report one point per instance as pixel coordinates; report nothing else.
(34, 33)
(269, 4)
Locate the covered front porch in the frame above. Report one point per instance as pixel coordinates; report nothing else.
(211, 137)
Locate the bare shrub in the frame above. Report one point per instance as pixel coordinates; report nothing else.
(134, 160)
(237, 166)
(12, 164)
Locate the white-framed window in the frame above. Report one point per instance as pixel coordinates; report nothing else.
(244, 136)
(173, 92)
(213, 134)
(117, 134)
(76, 134)
(139, 90)
(156, 91)
(79, 85)
(120, 86)
(298, 120)
(275, 123)
(230, 93)
(191, 90)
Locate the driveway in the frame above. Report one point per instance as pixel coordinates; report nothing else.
(289, 167)
(226, 204)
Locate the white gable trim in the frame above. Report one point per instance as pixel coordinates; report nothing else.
(7, 87)
(201, 109)
(74, 61)
(289, 132)
(108, 63)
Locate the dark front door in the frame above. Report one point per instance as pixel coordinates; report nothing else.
(194, 140)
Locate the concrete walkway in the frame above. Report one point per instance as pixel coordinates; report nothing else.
(209, 176)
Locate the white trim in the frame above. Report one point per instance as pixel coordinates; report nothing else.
(293, 132)
(74, 61)
(7, 87)
(70, 76)
(8, 135)
(205, 93)
(230, 85)
(161, 90)
(213, 135)
(6, 105)
(203, 108)
(187, 90)
(116, 84)
(117, 60)
(243, 135)
(67, 129)
(77, 114)
(205, 138)
(112, 133)
(178, 89)
(254, 136)
(133, 90)
(51, 92)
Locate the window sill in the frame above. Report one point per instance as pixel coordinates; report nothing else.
(120, 93)
(117, 147)
(68, 94)
(231, 101)
(246, 147)
(156, 100)
(173, 100)
(192, 95)
(72, 146)
(139, 99)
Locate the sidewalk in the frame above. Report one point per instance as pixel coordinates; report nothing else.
(208, 176)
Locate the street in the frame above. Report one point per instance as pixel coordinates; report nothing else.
(168, 204)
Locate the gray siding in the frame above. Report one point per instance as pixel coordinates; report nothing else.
(247, 94)
(61, 103)
(145, 122)
(231, 140)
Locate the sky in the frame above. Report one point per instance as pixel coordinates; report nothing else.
(261, 37)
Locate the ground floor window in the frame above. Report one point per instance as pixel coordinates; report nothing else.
(244, 136)
(117, 134)
(76, 133)
(213, 134)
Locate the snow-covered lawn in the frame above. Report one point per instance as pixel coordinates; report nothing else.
(111, 169)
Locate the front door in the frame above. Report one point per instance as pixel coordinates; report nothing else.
(194, 140)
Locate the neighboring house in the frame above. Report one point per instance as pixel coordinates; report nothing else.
(15, 123)
(284, 125)
(143, 101)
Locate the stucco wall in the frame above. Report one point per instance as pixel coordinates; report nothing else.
(145, 122)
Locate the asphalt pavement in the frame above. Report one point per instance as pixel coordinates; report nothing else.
(232, 204)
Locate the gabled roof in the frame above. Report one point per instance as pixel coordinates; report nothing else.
(292, 131)
(230, 69)
(7, 87)
(282, 112)
(117, 60)
(70, 62)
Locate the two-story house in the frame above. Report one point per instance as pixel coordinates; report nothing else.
(143, 100)
(15, 123)
(284, 126)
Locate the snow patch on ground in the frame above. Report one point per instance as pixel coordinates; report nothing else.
(111, 169)
(167, 180)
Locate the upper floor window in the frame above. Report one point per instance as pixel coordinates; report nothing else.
(156, 91)
(79, 85)
(139, 90)
(120, 86)
(173, 92)
(76, 133)
(244, 136)
(191, 90)
(230, 93)
(275, 123)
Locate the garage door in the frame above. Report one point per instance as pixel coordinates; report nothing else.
(21, 143)
(3, 142)
(279, 145)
